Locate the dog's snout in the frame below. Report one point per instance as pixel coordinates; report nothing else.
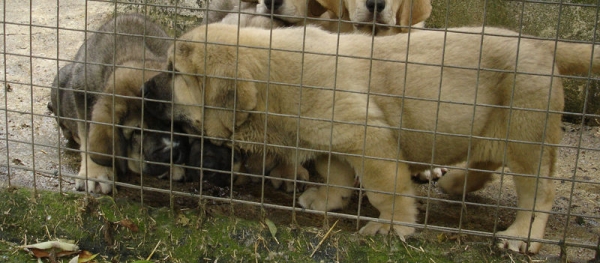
(273, 4)
(375, 5)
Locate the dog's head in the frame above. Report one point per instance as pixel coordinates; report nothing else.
(151, 150)
(290, 11)
(119, 128)
(389, 12)
(216, 161)
(204, 89)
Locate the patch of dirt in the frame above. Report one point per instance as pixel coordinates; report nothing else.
(33, 153)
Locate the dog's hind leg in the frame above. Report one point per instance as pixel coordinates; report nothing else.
(330, 197)
(535, 196)
(389, 189)
(385, 180)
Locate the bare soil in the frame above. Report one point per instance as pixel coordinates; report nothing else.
(33, 153)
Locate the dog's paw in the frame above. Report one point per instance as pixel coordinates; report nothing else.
(517, 245)
(178, 174)
(287, 172)
(317, 199)
(429, 175)
(373, 228)
(95, 174)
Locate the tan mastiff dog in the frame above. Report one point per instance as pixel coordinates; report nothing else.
(376, 103)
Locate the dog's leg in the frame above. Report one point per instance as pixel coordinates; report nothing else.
(330, 197)
(288, 171)
(91, 170)
(535, 199)
(385, 180)
(257, 164)
(178, 173)
(429, 175)
(455, 182)
(392, 182)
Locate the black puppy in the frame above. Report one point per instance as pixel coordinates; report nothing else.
(214, 163)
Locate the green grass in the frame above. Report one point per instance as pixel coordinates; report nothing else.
(105, 226)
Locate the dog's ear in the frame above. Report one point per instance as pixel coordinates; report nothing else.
(246, 96)
(240, 93)
(104, 139)
(421, 9)
(315, 9)
(335, 6)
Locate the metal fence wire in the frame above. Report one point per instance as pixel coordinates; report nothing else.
(267, 119)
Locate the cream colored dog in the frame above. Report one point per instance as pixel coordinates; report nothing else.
(376, 103)
(282, 13)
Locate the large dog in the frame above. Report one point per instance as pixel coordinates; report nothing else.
(387, 102)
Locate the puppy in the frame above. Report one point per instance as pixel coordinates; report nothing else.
(332, 15)
(152, 158)
(295, 13)
(77, 98)
(65, 101)
(389, 16)
(218, 162)
(112, 102)
(380, 113)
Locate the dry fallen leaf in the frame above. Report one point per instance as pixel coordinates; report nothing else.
(62, 245)
(84, 257)
(128, 224)
(52, 248)
(442, 237)
(272, 229)
(183, 220)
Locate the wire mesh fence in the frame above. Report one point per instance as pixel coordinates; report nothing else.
(304, 126)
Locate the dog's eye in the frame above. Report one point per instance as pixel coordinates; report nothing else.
(171, 68)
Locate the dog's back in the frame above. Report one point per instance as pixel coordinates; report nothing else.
(126, 37)
(62, 104)
(93, 64)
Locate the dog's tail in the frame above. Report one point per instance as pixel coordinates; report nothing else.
(576, 58)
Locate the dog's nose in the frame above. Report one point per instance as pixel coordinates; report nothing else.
(375, 5)
(273, 4)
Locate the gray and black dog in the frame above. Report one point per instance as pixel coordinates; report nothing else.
(98, 103)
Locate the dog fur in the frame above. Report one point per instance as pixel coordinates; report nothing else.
(343, 16)
(71, 103)
(397, 16)
(283, 13)
(75, 97)
(234, 12)
(143, 145)
(484, 86)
